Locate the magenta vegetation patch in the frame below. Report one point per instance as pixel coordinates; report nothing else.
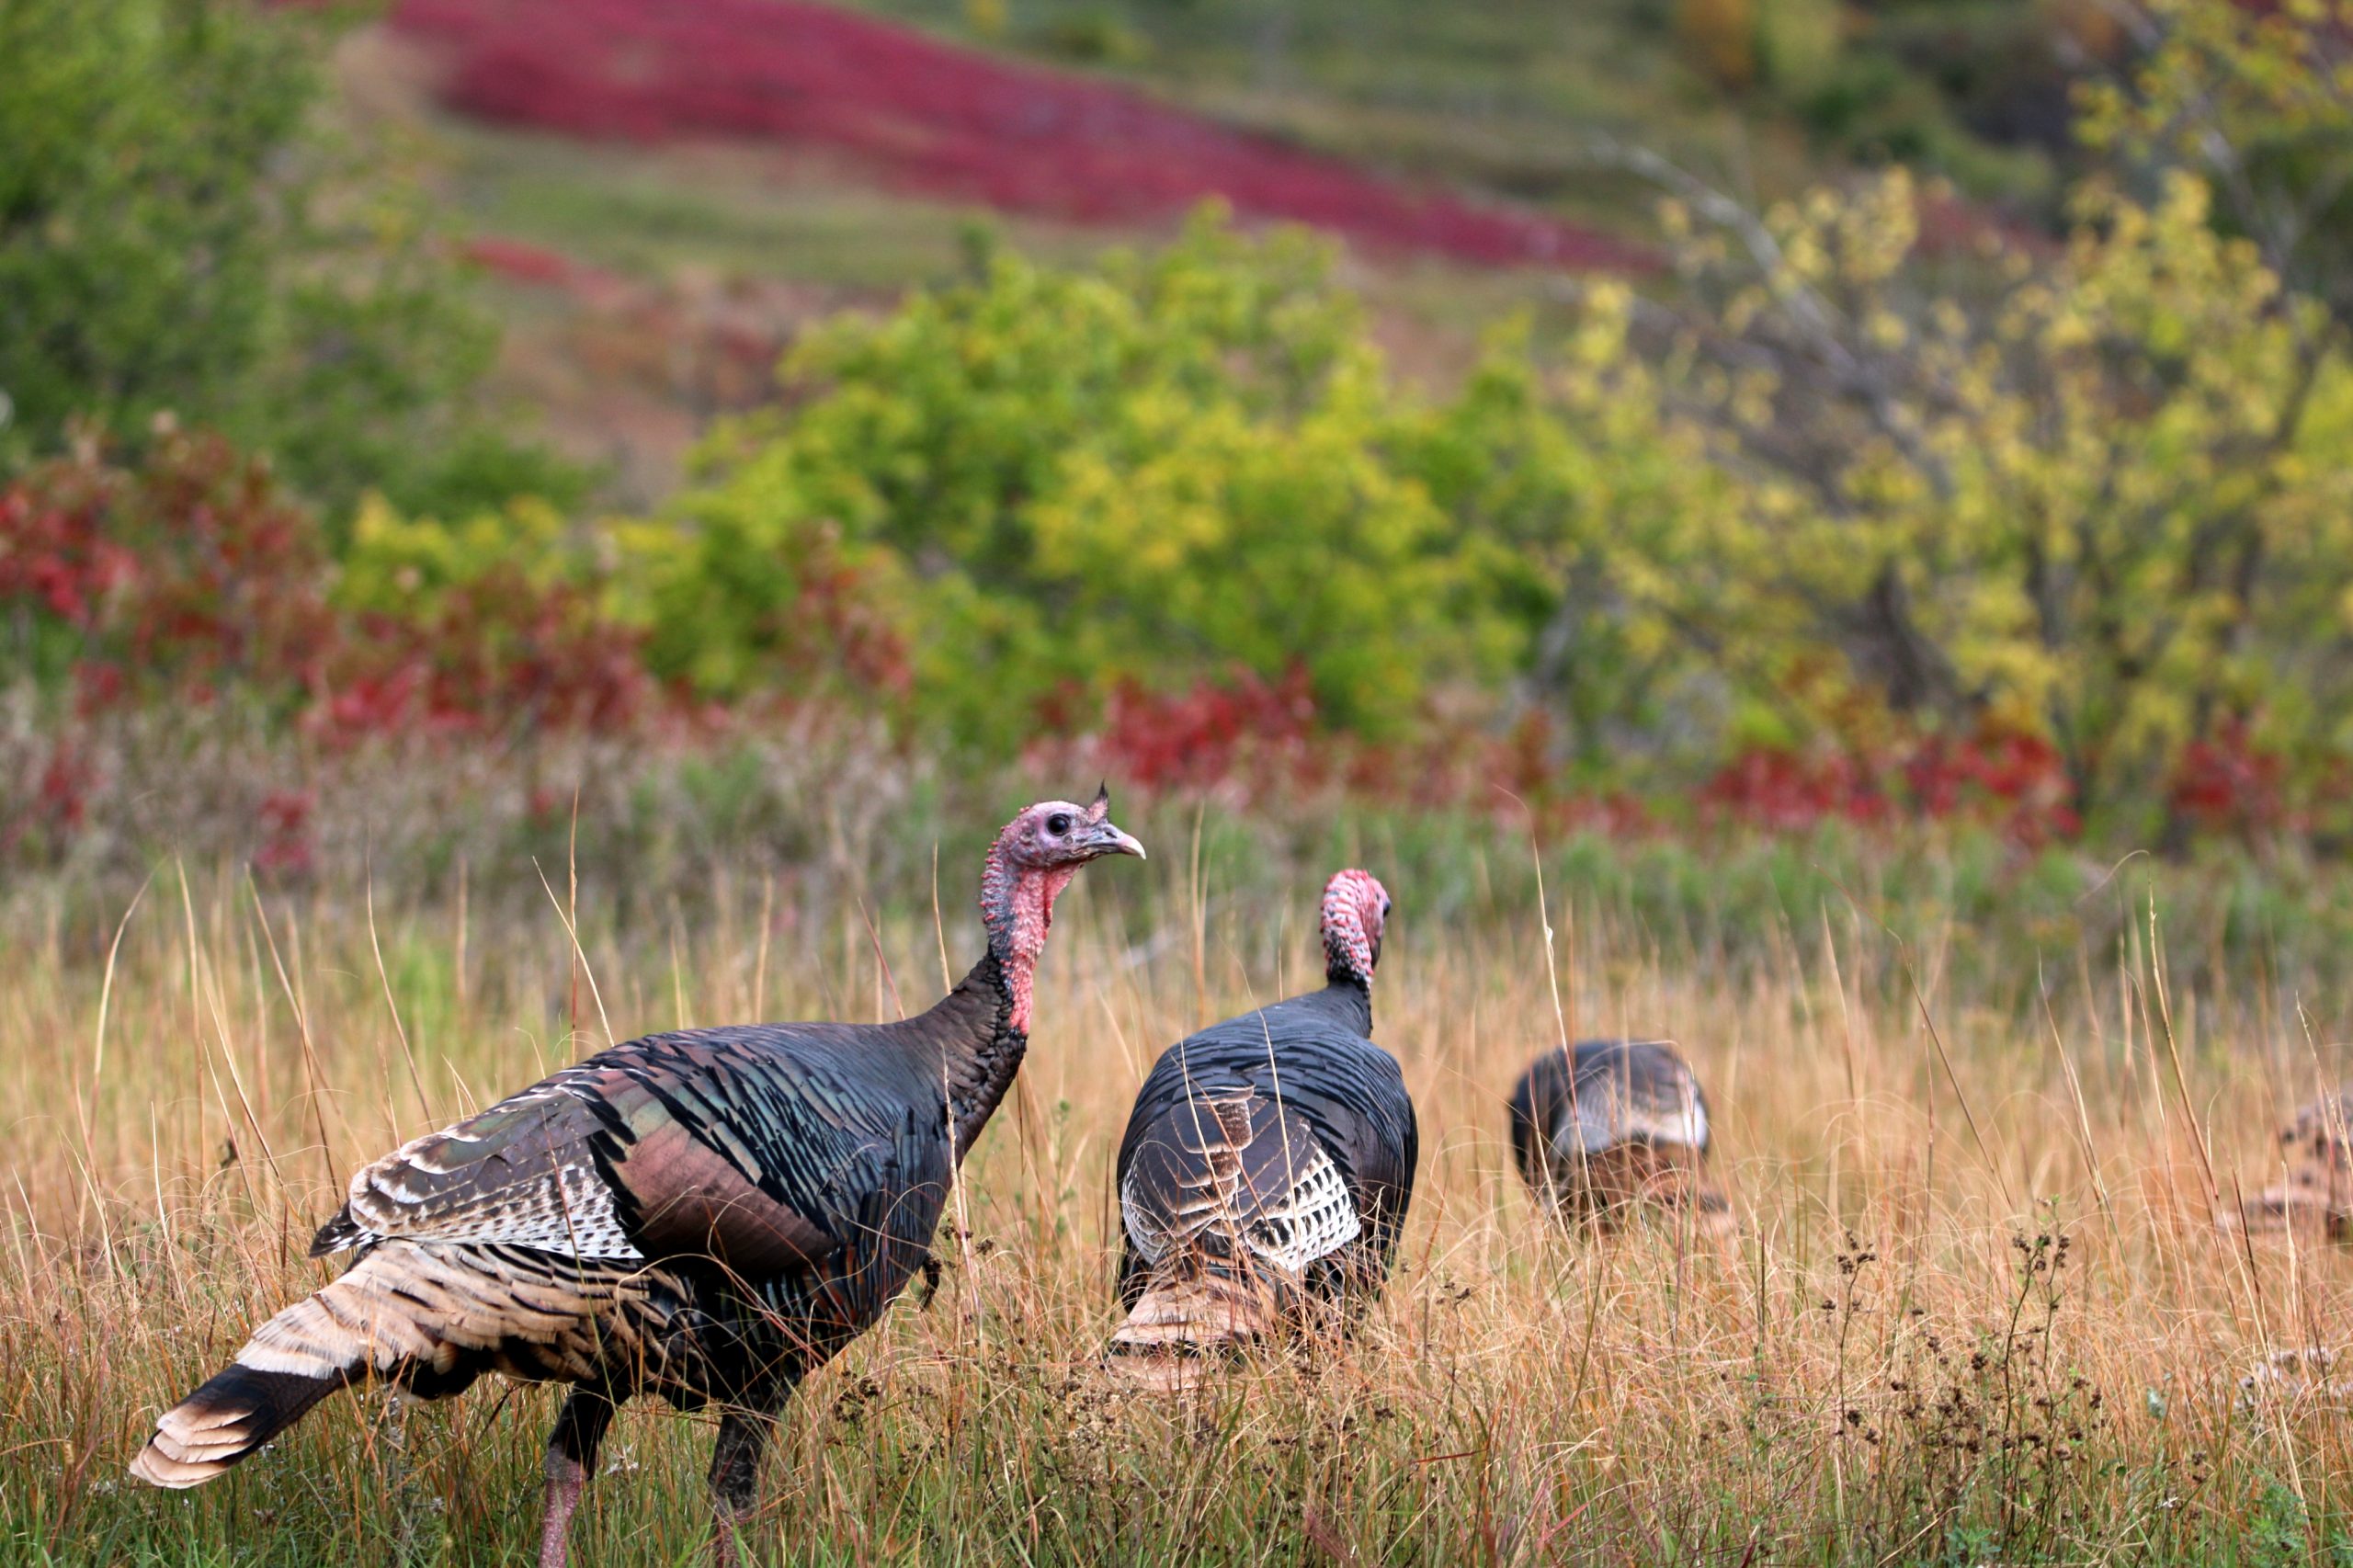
(939, 119)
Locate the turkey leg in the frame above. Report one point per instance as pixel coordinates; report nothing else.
(572, 1459)
(735, 1479)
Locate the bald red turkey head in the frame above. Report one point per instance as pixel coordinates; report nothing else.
(1355, 908)
(1031, 862)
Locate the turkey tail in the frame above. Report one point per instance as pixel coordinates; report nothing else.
(294, 1360)
(238, 1410)
(1181, 1321)
(429, 1318)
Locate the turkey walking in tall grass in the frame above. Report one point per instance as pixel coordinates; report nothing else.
(1268, 1164)
(2317, 1152)
(706, 1215)
(1605, 1127)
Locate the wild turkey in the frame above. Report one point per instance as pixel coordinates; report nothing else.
(1620, 1122)
(706, 1215)
(2318, 1192)
(1268, 1164)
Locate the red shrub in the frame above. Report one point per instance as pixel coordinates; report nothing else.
(55, 555)
(2226, 783)
(524, 263)
(1781, 791)
(59, 802)
(231, 577)
(196, 576)
(497, 654)
(286, 849)
(1208, 733)
(2015, 782)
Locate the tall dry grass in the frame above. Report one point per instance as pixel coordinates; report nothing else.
(1978, 1308)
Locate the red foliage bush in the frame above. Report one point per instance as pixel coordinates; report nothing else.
(194, 577)
(1779, 789)
(55, 552)
(286, 849)
(2016, 783)
(2226, 783)
(1207, 735)
(494, 654)
(941, 120)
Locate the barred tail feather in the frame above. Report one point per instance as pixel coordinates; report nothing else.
(294, 1360)
(238, 1410)
(430, 1318)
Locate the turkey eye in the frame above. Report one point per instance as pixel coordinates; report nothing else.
(1058, 822)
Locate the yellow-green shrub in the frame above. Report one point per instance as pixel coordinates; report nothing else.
(1058, 482)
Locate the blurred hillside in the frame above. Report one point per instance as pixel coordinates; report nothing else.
(663, 196)
(1741, 414)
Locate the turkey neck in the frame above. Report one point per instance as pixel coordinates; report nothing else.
(1348, 999)
(990, 1009)
(980, 1048)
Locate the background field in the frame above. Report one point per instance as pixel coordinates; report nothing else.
(1978, 1308)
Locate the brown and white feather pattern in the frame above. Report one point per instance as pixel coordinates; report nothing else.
(1201, 1186)
(427, 1186)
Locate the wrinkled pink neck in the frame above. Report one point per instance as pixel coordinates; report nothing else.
(1348, 948)
(1017, 904)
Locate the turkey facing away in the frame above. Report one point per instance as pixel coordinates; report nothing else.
(1268, 1164)
(1615, 1124)
(706, 1215)
(2318, 1153)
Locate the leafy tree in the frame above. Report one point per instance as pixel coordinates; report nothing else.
(2256, 100)
(179, 234)
(2096, 497)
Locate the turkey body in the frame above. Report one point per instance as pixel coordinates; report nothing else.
(1269, 1163)
(1610, 1124)
(706, 1216)
(2317, 1195)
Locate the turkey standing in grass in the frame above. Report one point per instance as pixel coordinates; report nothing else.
(2318, 1193)
(706, 1215)
(1268, 1164)
(1620, 1122)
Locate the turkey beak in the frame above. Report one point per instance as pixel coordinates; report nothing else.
(1103, 838)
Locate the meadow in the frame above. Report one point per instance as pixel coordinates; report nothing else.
(1978, 1308)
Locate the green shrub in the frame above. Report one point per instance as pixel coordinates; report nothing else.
(178, 234)
(1057, 483)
